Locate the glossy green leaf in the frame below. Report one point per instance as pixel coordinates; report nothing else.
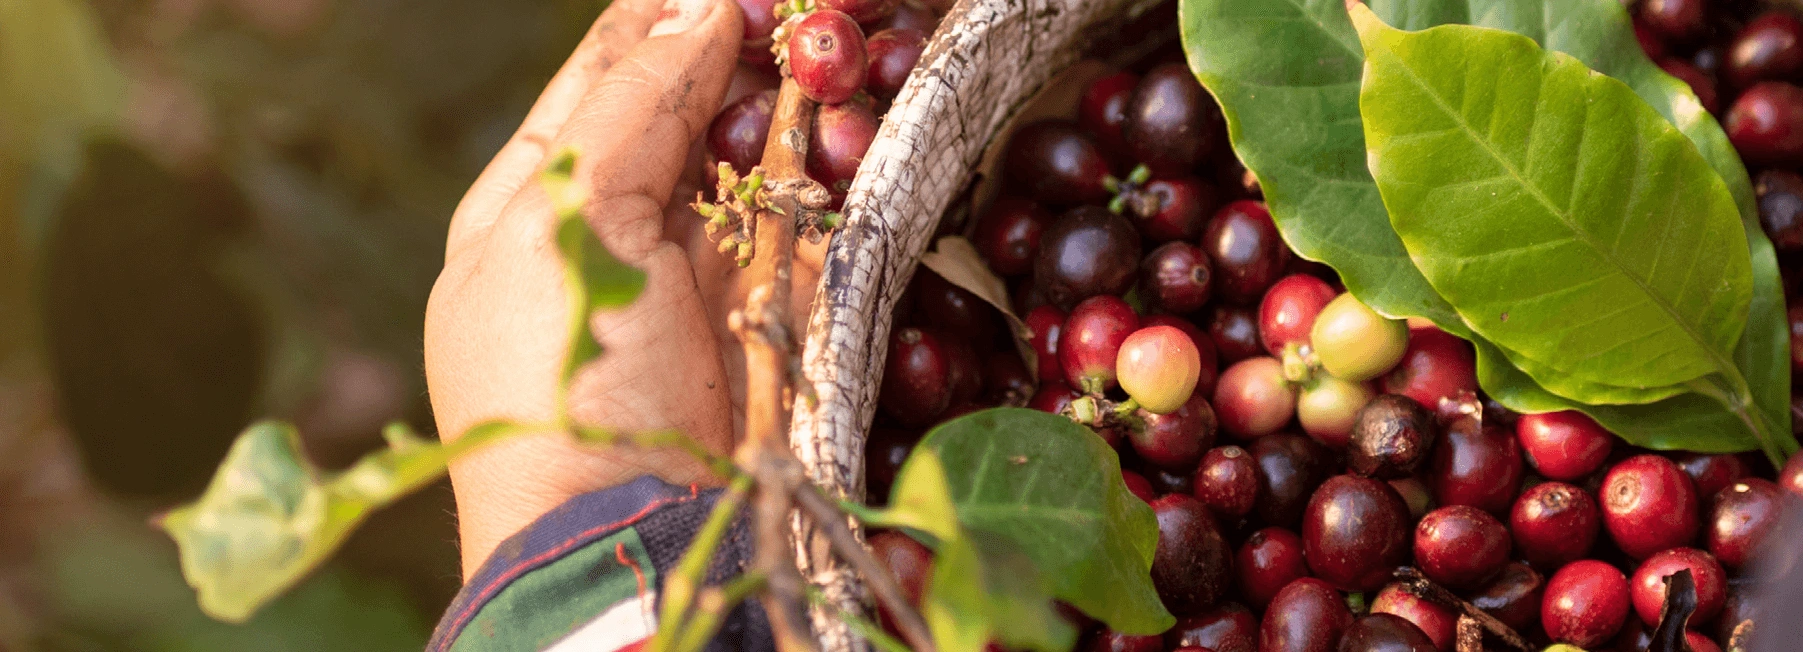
(269, 516)
(982, 588)
(1561, 216)
(1600, 34)
(594, 278)
(1286, 73)
(1054, 488)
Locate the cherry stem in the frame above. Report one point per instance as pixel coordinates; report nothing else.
(1419, 586)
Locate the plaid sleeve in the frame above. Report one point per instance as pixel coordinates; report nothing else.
(586, 576)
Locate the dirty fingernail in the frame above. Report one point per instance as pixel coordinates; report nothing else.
(679, 15)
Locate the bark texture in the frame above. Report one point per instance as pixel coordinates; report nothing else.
(987, 58)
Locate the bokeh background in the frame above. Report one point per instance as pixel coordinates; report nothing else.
(212, 211)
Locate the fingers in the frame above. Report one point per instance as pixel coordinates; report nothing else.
(618, 29)
(635, 126)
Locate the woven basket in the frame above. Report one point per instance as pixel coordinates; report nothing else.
(986, 60)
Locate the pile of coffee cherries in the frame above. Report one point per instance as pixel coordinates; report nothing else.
(1296, 447)
(851, 77)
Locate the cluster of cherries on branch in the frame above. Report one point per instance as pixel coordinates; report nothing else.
(1300, 451)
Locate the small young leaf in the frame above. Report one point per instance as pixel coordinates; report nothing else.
(1504, 166)
(1054, 488)
(269, 516)
(593, 278)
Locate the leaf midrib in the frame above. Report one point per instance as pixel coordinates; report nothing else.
(1722, 365)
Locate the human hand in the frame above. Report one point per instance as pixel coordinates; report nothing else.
(633, 100)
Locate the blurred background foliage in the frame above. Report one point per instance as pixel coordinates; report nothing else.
(210, 211)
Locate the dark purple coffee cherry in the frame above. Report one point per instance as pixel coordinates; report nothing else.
(1711, 472)
(1008, 235)
(1229, 627)
(1174, 209)
(1171, 482)
(1741, 519)
(1047, 324)
(1478, 466)
(1006, 380)
(1439, 623)
(737, 135)
(1355, 532)
(1781, 208)
(760, 23)
(1677, 20)
(1766, 124)
(893, 53)
(952, 310)
(1381, 632)
(883, 456)
(1103, 109)
(1770, 48)
(1391, 437)
(1227, 481)
(827, 56)
(1514, 597)
(842, 135)
(1701, 84)
(1235, 332)
(1306, 616)
(1086, 252)
(1192, 567)
(916, 378)
(1290, 467)
(1269, 560)
(1109, 640)
(1461, 546)
(1248, 254)
(1171, 120)
(1176, 277)
(1176, 439)
(1052, 162)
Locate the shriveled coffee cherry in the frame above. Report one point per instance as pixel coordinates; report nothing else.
(1086, 252)
(1289, 469)
(1381, 632)
(1288, 311)
(1248, 254)
(1354, 532)
(760, 22)
(1175, 208)
(1109, 640)
(1554, 524)
(737, 135)
(1229, 627)
(1327, 408)
(1227, 482)
(1391, 437)
(1435, 366)
(1192, 566)
(1176, 277)
(1461, 546)
(1139, 486)
(1205, 347)
(1176, 439)
(916, 378)
(893, 53)
(883, 456)
(1770, 48)
(827, 56)
(1514, 597)
(1678, 20)
(1008, 235)
(1269, 560)
(1711, 472)
(1170, 123)
(1701, 83)
(1052, 161)
(1306, 616)
(1103, 109)
(1091, 341)
(1563, 445)
(1439, 623)
(1648, 505)
(1476, 466)
(1252, 398)
(1586, 603)
(1780, 195)
(1766, 124)
(1354, 342)
(1235, 332)
(1647, 586)
(1157, 366)
(842, 135)
(1741, 519)
(1047, 324)
(1415, 493)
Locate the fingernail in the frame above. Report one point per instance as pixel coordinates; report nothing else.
(679, 15)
